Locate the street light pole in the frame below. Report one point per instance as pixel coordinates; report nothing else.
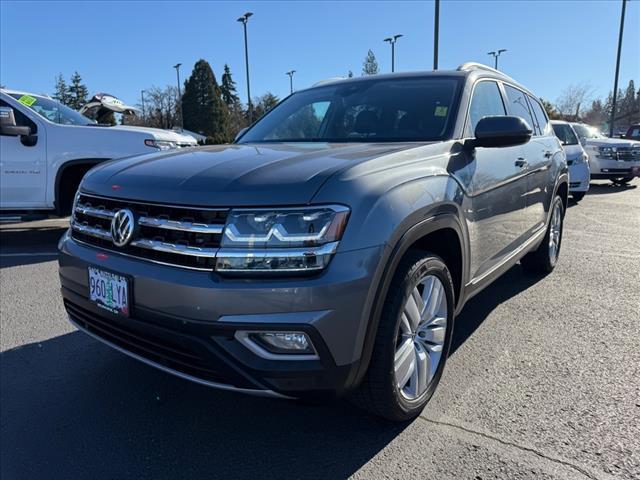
(615, 82)
(144, 115)
(436, 34)
(496, 55)
(290, 73)
(392, 41)
(179, 103)
(243, 19)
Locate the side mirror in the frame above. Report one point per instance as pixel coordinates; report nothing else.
(8, 124)
(240, 133)
(501, 131)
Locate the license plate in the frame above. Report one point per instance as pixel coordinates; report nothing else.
(109, 291)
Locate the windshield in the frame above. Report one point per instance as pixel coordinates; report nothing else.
(52, 110)
(585, 131)
(565, 134)
(377, 110)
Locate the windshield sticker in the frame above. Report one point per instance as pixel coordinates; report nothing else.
(440, 111)
(27, 100)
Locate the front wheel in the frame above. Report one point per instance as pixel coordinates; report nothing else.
(544, 258)
(413, 338)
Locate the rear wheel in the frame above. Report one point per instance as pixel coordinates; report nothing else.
(413, 338)
(577, 196)
(544, 258)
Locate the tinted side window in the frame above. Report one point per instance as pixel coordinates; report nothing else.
(518, 105)
(540, 115)
(486, 101)
(21, 119)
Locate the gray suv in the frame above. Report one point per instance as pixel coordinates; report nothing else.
(327, 251)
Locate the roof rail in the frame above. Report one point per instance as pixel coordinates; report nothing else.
(328, 80)
(465, 67)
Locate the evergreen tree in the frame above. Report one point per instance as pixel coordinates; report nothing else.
(263, 104)
(203, 109)
(228, 88)
(61, 94)
(370, 64)
(552, 113)
(77, 92)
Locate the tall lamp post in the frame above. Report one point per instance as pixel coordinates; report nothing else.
(436, 34)
(496, 55)
(244, 19)
(392, 41)
(179, 103)
(144, 115)
(615, 81)
(290, 73)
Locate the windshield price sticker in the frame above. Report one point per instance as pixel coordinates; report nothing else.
(27, 100)
(441, 111)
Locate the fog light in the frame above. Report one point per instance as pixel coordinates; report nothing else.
(284, 342)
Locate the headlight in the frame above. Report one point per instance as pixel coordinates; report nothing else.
(161, 144)
(281, 240)
(606, 152)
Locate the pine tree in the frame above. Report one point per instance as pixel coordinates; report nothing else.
(77, 92)
(370, 64)
(228, 88)
(61, 94)
(263, 104)
(203, 109)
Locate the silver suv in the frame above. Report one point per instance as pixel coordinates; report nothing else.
(328, 250)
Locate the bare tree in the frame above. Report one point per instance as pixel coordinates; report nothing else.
(573, 98)
(160, 108)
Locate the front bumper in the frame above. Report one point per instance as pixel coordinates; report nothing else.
(605, 169)
(579, 177)
(184, 321)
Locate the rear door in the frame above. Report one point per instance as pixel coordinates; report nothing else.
(498, 188)
(23, 165)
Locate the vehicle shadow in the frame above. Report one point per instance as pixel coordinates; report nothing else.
(26, 245)
(71, 407)
(474, 313)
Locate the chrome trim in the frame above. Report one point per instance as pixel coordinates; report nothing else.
(94, 212)
(181, 226)
(243, 337)
(174, 248)
(92, 231)
(326, 249)
(220, 386)
(142, 259)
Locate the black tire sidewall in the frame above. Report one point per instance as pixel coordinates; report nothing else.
(427, 265)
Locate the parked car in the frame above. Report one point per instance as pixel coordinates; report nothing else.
(329, 249)
(633, 133)
(614, 159)
(577, 159)
(46, 148)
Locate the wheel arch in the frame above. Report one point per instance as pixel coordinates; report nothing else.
(65, 169)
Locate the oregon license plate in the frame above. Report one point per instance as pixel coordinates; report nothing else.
(109, 291)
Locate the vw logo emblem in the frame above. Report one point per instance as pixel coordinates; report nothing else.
(122, 226)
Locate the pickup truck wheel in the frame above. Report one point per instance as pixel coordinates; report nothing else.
(622, 181)
(412, 342)
(544, 258)
(577, 196)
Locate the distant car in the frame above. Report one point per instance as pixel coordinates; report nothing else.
(614, 159)
(46, 148)
(577, 159)
(633, 133)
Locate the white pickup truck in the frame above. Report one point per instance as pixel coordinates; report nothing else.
(46, 148)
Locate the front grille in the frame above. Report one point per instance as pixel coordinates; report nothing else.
(182, 236)
(163, 350)
(628, 154)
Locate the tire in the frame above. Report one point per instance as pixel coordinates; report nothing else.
(577, 196)
(543, 260)
(622, 181)
(379, 392)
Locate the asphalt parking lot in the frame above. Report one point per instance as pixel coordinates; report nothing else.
(543, 382)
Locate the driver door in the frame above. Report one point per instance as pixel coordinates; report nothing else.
(23, 164)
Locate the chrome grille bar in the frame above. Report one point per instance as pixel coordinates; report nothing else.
(180, 226)
(94, 212)
(92, 231)
(159, 246)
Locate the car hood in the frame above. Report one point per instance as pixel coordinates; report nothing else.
(158, 134)
(231, 175)
(611, 142)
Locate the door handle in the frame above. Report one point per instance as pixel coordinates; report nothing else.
(522, 162)
(548, 154)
